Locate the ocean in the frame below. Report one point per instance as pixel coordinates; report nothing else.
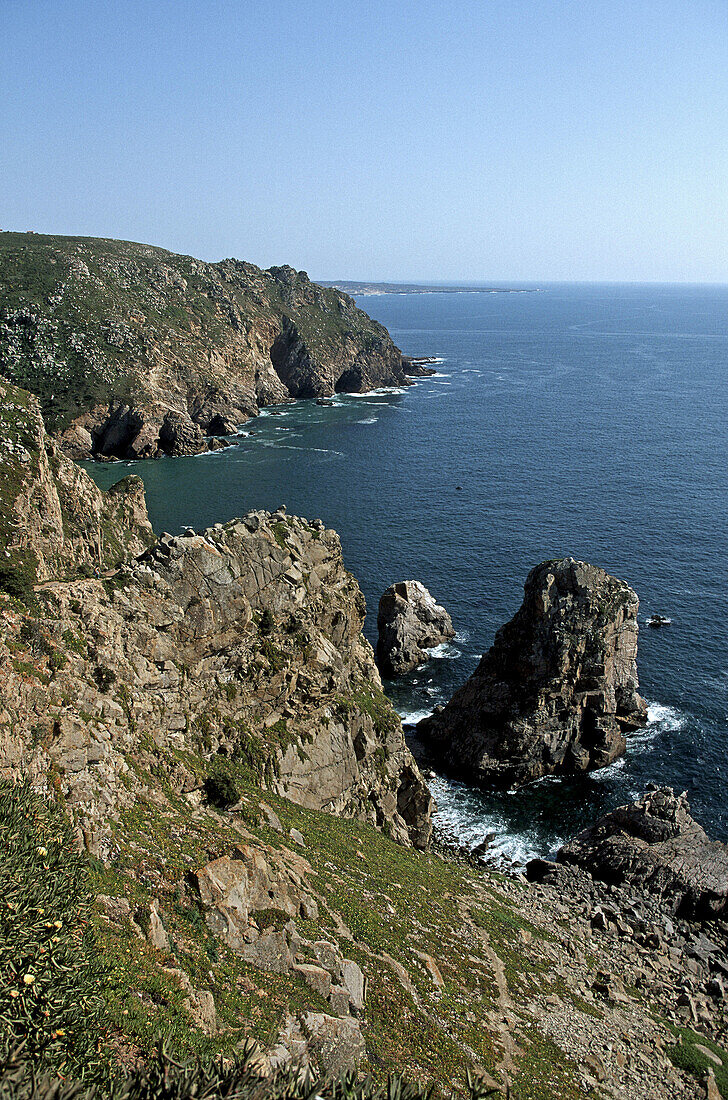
(579, 420)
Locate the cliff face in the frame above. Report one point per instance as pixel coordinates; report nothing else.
(54, 521)
(558, 688)
(241, 643)
(134, 351)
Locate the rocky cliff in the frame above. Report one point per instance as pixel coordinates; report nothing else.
(557, 690)
(188, 716)
(134, 351)
(241, 643)
(54, 521)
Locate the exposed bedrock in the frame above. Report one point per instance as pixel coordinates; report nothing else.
(243, 641)
(556, 692)
(654, 846)
(409, 623)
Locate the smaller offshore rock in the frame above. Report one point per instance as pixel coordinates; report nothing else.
(409, 623)
(654, 846)
(557, 690)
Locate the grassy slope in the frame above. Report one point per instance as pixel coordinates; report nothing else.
(386, 905)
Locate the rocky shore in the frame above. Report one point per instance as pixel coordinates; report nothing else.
(206, 713)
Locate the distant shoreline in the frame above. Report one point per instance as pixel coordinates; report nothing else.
(364, 289)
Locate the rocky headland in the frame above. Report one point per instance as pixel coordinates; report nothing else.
(243, 641)
(409, 622)
(135, 352)
(558, 689)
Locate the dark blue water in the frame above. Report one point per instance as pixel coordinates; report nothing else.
(581, 420)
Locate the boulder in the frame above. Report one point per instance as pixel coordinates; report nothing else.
(337, 1044)
(558, 689)
(409, 623)
(655, 847)
(230, 890)
(178, 435)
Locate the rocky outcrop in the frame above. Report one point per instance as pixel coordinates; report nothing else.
(558, 689)
(54, 521)
(135, 352)
(655, 847)
(409, 623)
(241, 642)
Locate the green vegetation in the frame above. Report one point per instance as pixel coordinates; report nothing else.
(50, 969)
(221, 786)
(80, 315)
(686, 1054)
(207, 1079)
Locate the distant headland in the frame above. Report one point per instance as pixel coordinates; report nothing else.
(360, 289)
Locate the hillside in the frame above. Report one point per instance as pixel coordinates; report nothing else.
(134, 351)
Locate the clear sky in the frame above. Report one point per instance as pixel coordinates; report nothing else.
(479, 140)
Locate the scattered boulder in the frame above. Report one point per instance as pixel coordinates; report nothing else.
(654, 846)
(157, 934)
(230, 889)
(557, 690)
(409, 623)
(336, 1043)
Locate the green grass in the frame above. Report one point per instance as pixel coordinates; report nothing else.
(686, 1056)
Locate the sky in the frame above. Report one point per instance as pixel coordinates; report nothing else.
(410, 140)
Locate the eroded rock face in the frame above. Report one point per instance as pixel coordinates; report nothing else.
(54, 521)
(242, 641)
(654, 846)
(557, 690)
(409, 623)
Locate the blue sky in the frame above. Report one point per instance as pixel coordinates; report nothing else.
(494, 140)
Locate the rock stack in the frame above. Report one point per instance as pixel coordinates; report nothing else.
(409, 623)
(557, 690)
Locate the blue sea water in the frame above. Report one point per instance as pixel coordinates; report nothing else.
(589, 421)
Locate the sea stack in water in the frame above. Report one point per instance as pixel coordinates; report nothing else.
(558, 688)
(409, 623)
(655, 847)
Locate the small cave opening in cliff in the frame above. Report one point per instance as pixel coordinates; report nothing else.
(349, 382)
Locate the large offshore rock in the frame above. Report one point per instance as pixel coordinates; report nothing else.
(409, 623)
(654, 846)
(557, 690)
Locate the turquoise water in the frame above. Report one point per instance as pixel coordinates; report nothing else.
(581, 420)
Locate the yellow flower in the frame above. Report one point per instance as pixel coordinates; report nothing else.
(42, 851)
(29, 979)
(14, 993)
(57, 924)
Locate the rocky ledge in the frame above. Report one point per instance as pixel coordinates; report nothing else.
(558, 689)
(409, 623)
(135, 352)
